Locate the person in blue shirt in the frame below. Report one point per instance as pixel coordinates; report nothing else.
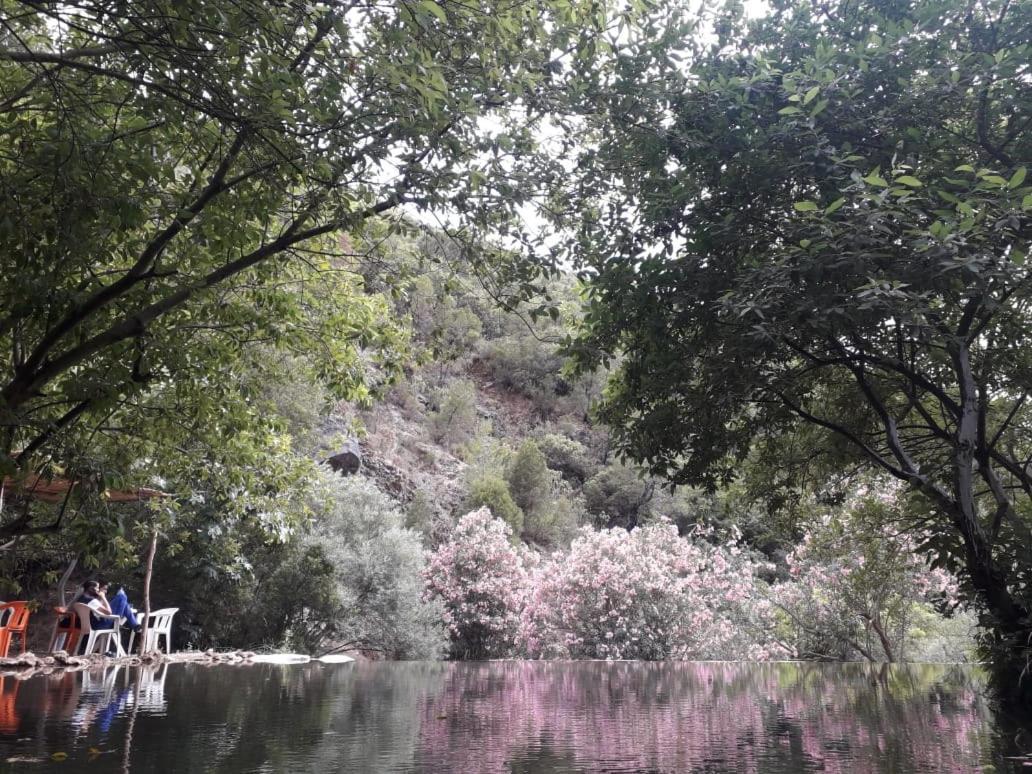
(119, 602)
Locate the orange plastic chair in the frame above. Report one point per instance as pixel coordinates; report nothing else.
(17, 622)
(67, 631)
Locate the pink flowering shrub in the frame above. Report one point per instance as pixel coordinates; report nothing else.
(856, 587)
(645, 594)
(481, 578)
(858, 584)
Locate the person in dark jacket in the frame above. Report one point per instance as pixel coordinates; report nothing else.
(119, 602)
(94, 598)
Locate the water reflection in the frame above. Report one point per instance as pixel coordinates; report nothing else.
(717, 717)
(503, 716)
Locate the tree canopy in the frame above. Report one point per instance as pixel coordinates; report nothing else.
(176, 177)
(820, 219)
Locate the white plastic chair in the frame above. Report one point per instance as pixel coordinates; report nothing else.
(112, 636)
(159, 625)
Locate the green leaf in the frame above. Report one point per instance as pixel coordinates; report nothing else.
(787, 111)
(913, 182)
(811, 94)
(875, 179)
(1026, 203)
(805, 206)
(964, 168)
(1017, 178)
(430, 6)
(835, 205)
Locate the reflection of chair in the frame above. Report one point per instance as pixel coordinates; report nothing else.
(151, 694)
(94, 637)
(14, 619)
(159, 625)
(8, 714)
(67, 631)
(101, 681)
(100, 697)
(61, 694)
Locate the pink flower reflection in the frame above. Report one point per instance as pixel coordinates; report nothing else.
(678, 716)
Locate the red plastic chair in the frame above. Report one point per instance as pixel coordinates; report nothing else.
(67, 631)
(15, 616)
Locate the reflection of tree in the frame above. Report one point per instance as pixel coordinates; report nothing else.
(522, 717)
(353, 717)
(678, 716)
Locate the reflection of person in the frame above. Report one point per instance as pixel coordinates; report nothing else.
(119, 603)
(107, 715)
(94, 598)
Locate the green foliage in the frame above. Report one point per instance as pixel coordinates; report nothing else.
(420, 513)
(490, 491)
(522, 364)
(857, 586)
(551, 512)
(556, 524)
(530, 481)
(618, 494)
(570, 458)
(167, 204)
(822, 220)
(454, 421)
(375, 564)
(213, 566)
(937, 638)
(297, 398)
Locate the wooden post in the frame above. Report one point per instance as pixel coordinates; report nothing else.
(146, 590)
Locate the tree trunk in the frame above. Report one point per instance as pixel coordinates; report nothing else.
(146, 590)
(62, 585)
(886, 643)
(1008, 619)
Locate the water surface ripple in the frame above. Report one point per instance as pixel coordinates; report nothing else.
(516, 716)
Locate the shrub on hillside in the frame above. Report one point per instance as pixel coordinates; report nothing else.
(617, 495)
(556, 524)
(530, 480)
(454, 419)
(570, 458)
(527, 366)
(490, 491)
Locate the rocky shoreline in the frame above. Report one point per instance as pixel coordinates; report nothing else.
(29, 664)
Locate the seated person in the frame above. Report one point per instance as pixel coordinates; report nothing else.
(93, 597)
(119, 602)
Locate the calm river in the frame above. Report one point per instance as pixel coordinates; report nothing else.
(506, 717)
